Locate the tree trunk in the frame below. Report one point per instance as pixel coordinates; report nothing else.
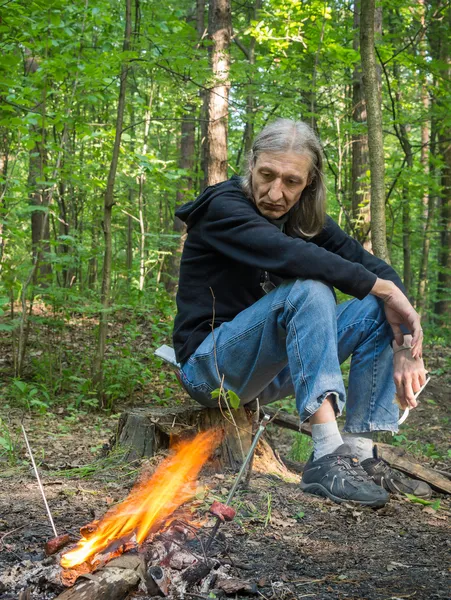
(428, 199)
(141, 203)
(107, 213)
(406, 226)
(63, 248)
(219, 31)
(4, 159)
(248, 134)
(184, 194)
(423, 272)
(309, 96)
(93, 264)
(443, 305)
(204, 96)
(360, 164)
(187, 159)
(129, 252)
(250, 97)
(375, 137)
(40, 230)
(403, 136)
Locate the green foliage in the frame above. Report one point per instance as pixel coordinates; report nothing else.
(228, 396)
(423, 449)
(59, 75)
(104, 467)
(301, 448)
(30, 396)
(7, 443)
(268, 509)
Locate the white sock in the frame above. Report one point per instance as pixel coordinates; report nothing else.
(361, 444)
(326, 439)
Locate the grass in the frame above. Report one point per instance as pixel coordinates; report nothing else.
(111, 465)
(427, 450)
(302, 448)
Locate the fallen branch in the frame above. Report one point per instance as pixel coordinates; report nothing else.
(283, 419)
(110, 583)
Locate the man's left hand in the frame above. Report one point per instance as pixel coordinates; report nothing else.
(409, 376)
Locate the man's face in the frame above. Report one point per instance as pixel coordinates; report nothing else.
(278, 181)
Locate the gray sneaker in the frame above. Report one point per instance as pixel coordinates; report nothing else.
(393, 480)
(340, 477)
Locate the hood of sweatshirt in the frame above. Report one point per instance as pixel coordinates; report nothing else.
(191, 212)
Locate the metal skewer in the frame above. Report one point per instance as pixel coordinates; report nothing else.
(257, 435)
(39, 481)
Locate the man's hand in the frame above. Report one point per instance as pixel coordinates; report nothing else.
(409, 376)
(399, 311)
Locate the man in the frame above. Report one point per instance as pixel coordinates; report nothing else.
(256, 308)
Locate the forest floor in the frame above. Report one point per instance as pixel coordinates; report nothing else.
(296, 545)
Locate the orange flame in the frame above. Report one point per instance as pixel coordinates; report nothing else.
(150, 501)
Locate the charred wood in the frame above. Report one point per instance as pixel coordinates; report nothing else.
(110, 583)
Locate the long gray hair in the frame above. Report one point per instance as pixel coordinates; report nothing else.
(306, 218)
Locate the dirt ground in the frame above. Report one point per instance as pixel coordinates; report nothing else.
(293, 545)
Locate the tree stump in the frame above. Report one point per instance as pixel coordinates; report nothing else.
(145, 431)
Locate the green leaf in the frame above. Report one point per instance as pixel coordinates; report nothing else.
(436, 504)
(215, 393)
(5, 443)
(234, 399)
(21, 385)
(433, 504)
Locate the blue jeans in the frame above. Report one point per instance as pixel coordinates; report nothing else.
(292, 342)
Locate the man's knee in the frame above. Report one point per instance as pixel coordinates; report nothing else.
(312, 292)
(373, 308)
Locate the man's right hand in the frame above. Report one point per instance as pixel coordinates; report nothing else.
(399, 311)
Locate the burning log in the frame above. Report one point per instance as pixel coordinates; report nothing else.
(196, 573)
(157, 581)
(149, 505)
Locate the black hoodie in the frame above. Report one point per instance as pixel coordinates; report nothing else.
(230, 246)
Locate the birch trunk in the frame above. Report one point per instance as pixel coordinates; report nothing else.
(360, 164)
(219, 31)
(375, 136)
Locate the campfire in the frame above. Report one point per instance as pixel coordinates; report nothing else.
(147, 507)
(151, 541)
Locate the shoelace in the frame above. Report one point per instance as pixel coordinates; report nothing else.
(352, 466)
